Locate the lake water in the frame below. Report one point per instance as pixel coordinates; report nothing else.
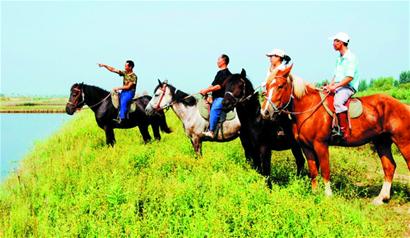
(20, 131)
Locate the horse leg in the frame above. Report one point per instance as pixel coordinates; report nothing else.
(145, 134)
(197, 144)
(155, 129)
(300, 160)
(109, 136)
(323, 150)
(265, 154)
(246, 147)
(405, 151)
(313, 167)
(383, 148)
(250, 155)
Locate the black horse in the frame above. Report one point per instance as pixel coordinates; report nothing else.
(258, 136)
(99, 100)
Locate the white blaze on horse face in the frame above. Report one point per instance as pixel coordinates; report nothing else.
(268, 101)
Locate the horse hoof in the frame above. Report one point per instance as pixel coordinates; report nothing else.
(378, 201)
(328, 193)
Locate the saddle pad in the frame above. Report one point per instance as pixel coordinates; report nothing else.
(355, 108)
(115, 99)
(354, 105)
(204, 108)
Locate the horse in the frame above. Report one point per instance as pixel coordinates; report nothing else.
(99, 101)
(186, 108)
(384, 121)
(258, 136)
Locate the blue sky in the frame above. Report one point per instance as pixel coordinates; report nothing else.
(48, 46)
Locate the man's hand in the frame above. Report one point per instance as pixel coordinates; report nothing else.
(111, 69)
(331, 88)
(203, 92)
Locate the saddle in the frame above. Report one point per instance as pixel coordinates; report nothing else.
(132, 105)
(354, 105)
(204, 109)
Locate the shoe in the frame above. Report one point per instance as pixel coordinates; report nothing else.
(208, 134)
(344, 124)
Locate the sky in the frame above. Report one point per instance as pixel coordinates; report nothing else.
(48, 46)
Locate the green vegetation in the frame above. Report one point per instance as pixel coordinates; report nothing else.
(74, 185)
(32, 104)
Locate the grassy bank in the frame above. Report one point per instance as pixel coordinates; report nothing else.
(32, 105)
(73, 185)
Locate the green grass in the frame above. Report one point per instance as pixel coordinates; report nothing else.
(32, 104)
(73, 185)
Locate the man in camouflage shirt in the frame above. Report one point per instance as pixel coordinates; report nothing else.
(128, 87)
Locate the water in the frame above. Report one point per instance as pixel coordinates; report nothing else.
(20, 131)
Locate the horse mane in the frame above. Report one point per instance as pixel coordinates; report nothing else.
(180, 96)
(300, 86)
(95, 88)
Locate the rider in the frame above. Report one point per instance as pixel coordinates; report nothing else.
(276, 58)
(128, 88)
(278, 61)
(217, 93)
(345, 81)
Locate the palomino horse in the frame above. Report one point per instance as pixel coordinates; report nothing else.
(258, 136)
(384, 121)
(185, 107)
(99, 101)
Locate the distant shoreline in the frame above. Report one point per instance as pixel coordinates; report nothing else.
(32, 105)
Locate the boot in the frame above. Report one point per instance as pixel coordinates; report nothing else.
(344, 124)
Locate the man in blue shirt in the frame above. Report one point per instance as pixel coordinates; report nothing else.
(345, 81)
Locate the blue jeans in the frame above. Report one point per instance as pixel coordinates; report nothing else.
(216, 110)
(125, 97)
(341, 96)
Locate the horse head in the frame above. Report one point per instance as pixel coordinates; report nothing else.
(76, 99)
(278, 93)
(237, 88)
(162, 98)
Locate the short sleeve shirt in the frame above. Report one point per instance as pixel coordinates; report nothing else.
(131, 77)
(346, 66)
(219, 80)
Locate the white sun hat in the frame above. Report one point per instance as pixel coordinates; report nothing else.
(277, 52)
(342, 36)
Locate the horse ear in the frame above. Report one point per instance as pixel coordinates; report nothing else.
(286, 71)
(159, 81)
(243, 73)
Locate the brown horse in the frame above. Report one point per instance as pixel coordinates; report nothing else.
(384, 121)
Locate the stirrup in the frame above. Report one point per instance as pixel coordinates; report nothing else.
(336, 132)
(208, 134)
(117, 120)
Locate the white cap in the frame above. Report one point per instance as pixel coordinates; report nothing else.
(277, 52)
(342, 36)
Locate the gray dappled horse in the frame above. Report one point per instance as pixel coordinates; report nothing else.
(186, 109)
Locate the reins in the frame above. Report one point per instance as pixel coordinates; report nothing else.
(83, 101)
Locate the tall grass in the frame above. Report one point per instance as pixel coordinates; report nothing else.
(74, 185)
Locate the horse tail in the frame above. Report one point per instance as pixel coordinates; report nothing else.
(163, 123)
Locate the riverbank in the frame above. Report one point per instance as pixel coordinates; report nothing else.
(32, 105)
(74, 185)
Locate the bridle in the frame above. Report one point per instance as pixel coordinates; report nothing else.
(75, 103)
(80, 104)
(164, 89)
(243, 98)
(281, 108)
